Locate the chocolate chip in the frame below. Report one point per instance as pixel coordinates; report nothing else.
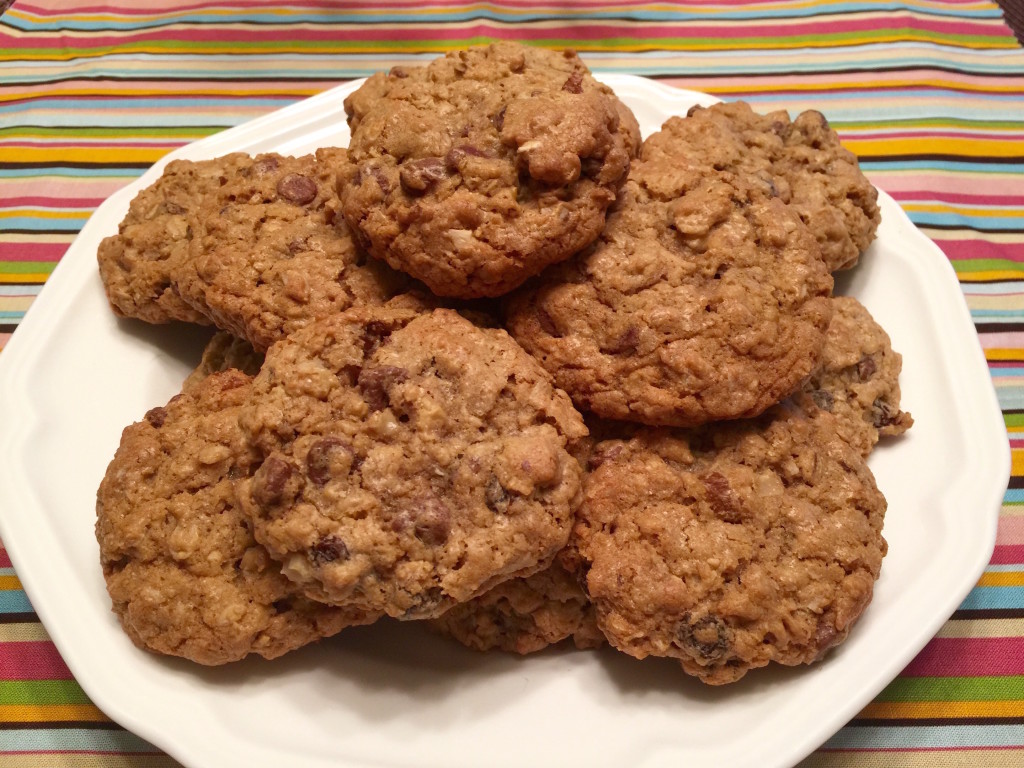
(327, 550)
(431, 521)
(398, 72)
(575, 82)
(156, 416)
(721, 498)
(707, 637)
(378, 176)
(825, 635)
(823, 399)
(297, 188)
(417, 175)
(496, 497)
(375, 334)
(270, 481)
(319, 458)
(375, 382)
(173, 208)
(457, 154)
(694, 110)
(781, 128)
(882, 413)
(866, 368)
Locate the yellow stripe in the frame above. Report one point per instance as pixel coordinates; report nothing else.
(42, 713)
(1003, 354)
(9, 583)
(964, 210)
(23, 632)
(24, 277)
(148, 155)
(1002, 579)
(933, 758)
(1017, 466)
(993, 274)
(43, 213)
(939, 709)
(937, 146)
(982, 628)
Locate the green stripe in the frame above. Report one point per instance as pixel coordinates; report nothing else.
(26, 267)
(931, 122)
(42, 692)
(907, 689)
(984, 265)
(1014, 419)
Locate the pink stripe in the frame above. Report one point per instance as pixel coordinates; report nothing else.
(5, 560)
(32, 660)
(32, 251)
(946, 196)
(1006, 340)
(982, 249)
(1010, 554)
(1011, 530)
(926, 183)
(51, 202)
(969, 657)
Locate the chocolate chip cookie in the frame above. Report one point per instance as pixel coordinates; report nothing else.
(183, 570)
(525, 615)
(270, 252)
(412, 460)
(476, 171)
(804, 161)
(705, 298)
(137, 264)
(732, 546)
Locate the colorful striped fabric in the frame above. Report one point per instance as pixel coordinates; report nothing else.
(929, 94)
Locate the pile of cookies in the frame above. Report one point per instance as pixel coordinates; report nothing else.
(503, 366)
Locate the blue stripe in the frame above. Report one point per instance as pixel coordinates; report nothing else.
(1014, 496)
(34, 173)
(980, 223)
(45, 225)
(71, 739)
(947, 736)
(1010, 397)
(940, 165)
(982, 598)
(14, 601)
(19, 290)
(1006, 568)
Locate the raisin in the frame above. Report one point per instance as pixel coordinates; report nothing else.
(270, 481)
(496, 496)
(156, 416)
(374, 384)
(823, 399)
(318, 460)
(327, 550)
(707, 637)
(574, 84)
(866, 368)
(721, 498)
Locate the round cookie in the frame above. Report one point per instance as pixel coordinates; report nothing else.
(858, 379)
(734, 546)
(805, 161)
(525, 615)
(270, 252)
(222, 352)
(412, 460)
(137, 264)
(185, 575)
(478, 170)
(704, 299)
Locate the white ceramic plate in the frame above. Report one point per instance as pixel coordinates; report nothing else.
(393, 695)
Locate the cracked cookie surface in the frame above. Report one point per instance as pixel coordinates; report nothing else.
(804, 160)
(270, 251)
(138, 264)
(857, 380)
(223, 351)
(732, 546)
(705, 298)
(185, 575)
(479, 169)
(412, 460)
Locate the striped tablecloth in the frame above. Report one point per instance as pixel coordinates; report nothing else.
(929, 94)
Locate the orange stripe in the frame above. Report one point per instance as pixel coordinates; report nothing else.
(48, 713)
(941, 709)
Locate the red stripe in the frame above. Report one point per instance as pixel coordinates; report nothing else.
(969, 657)
(32, 251)
(5, 560)
(1008, 554)
(32, 660)
(981, 249)
(948, 196)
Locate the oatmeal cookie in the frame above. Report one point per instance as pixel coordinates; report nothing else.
(183, 570)
(224, 351)
(270, 252)
(137, 264)
(804, 160)
(705, 298)
(476, 171)
(525, 615)
(858, 379)
(732, 546)
(412, 460)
